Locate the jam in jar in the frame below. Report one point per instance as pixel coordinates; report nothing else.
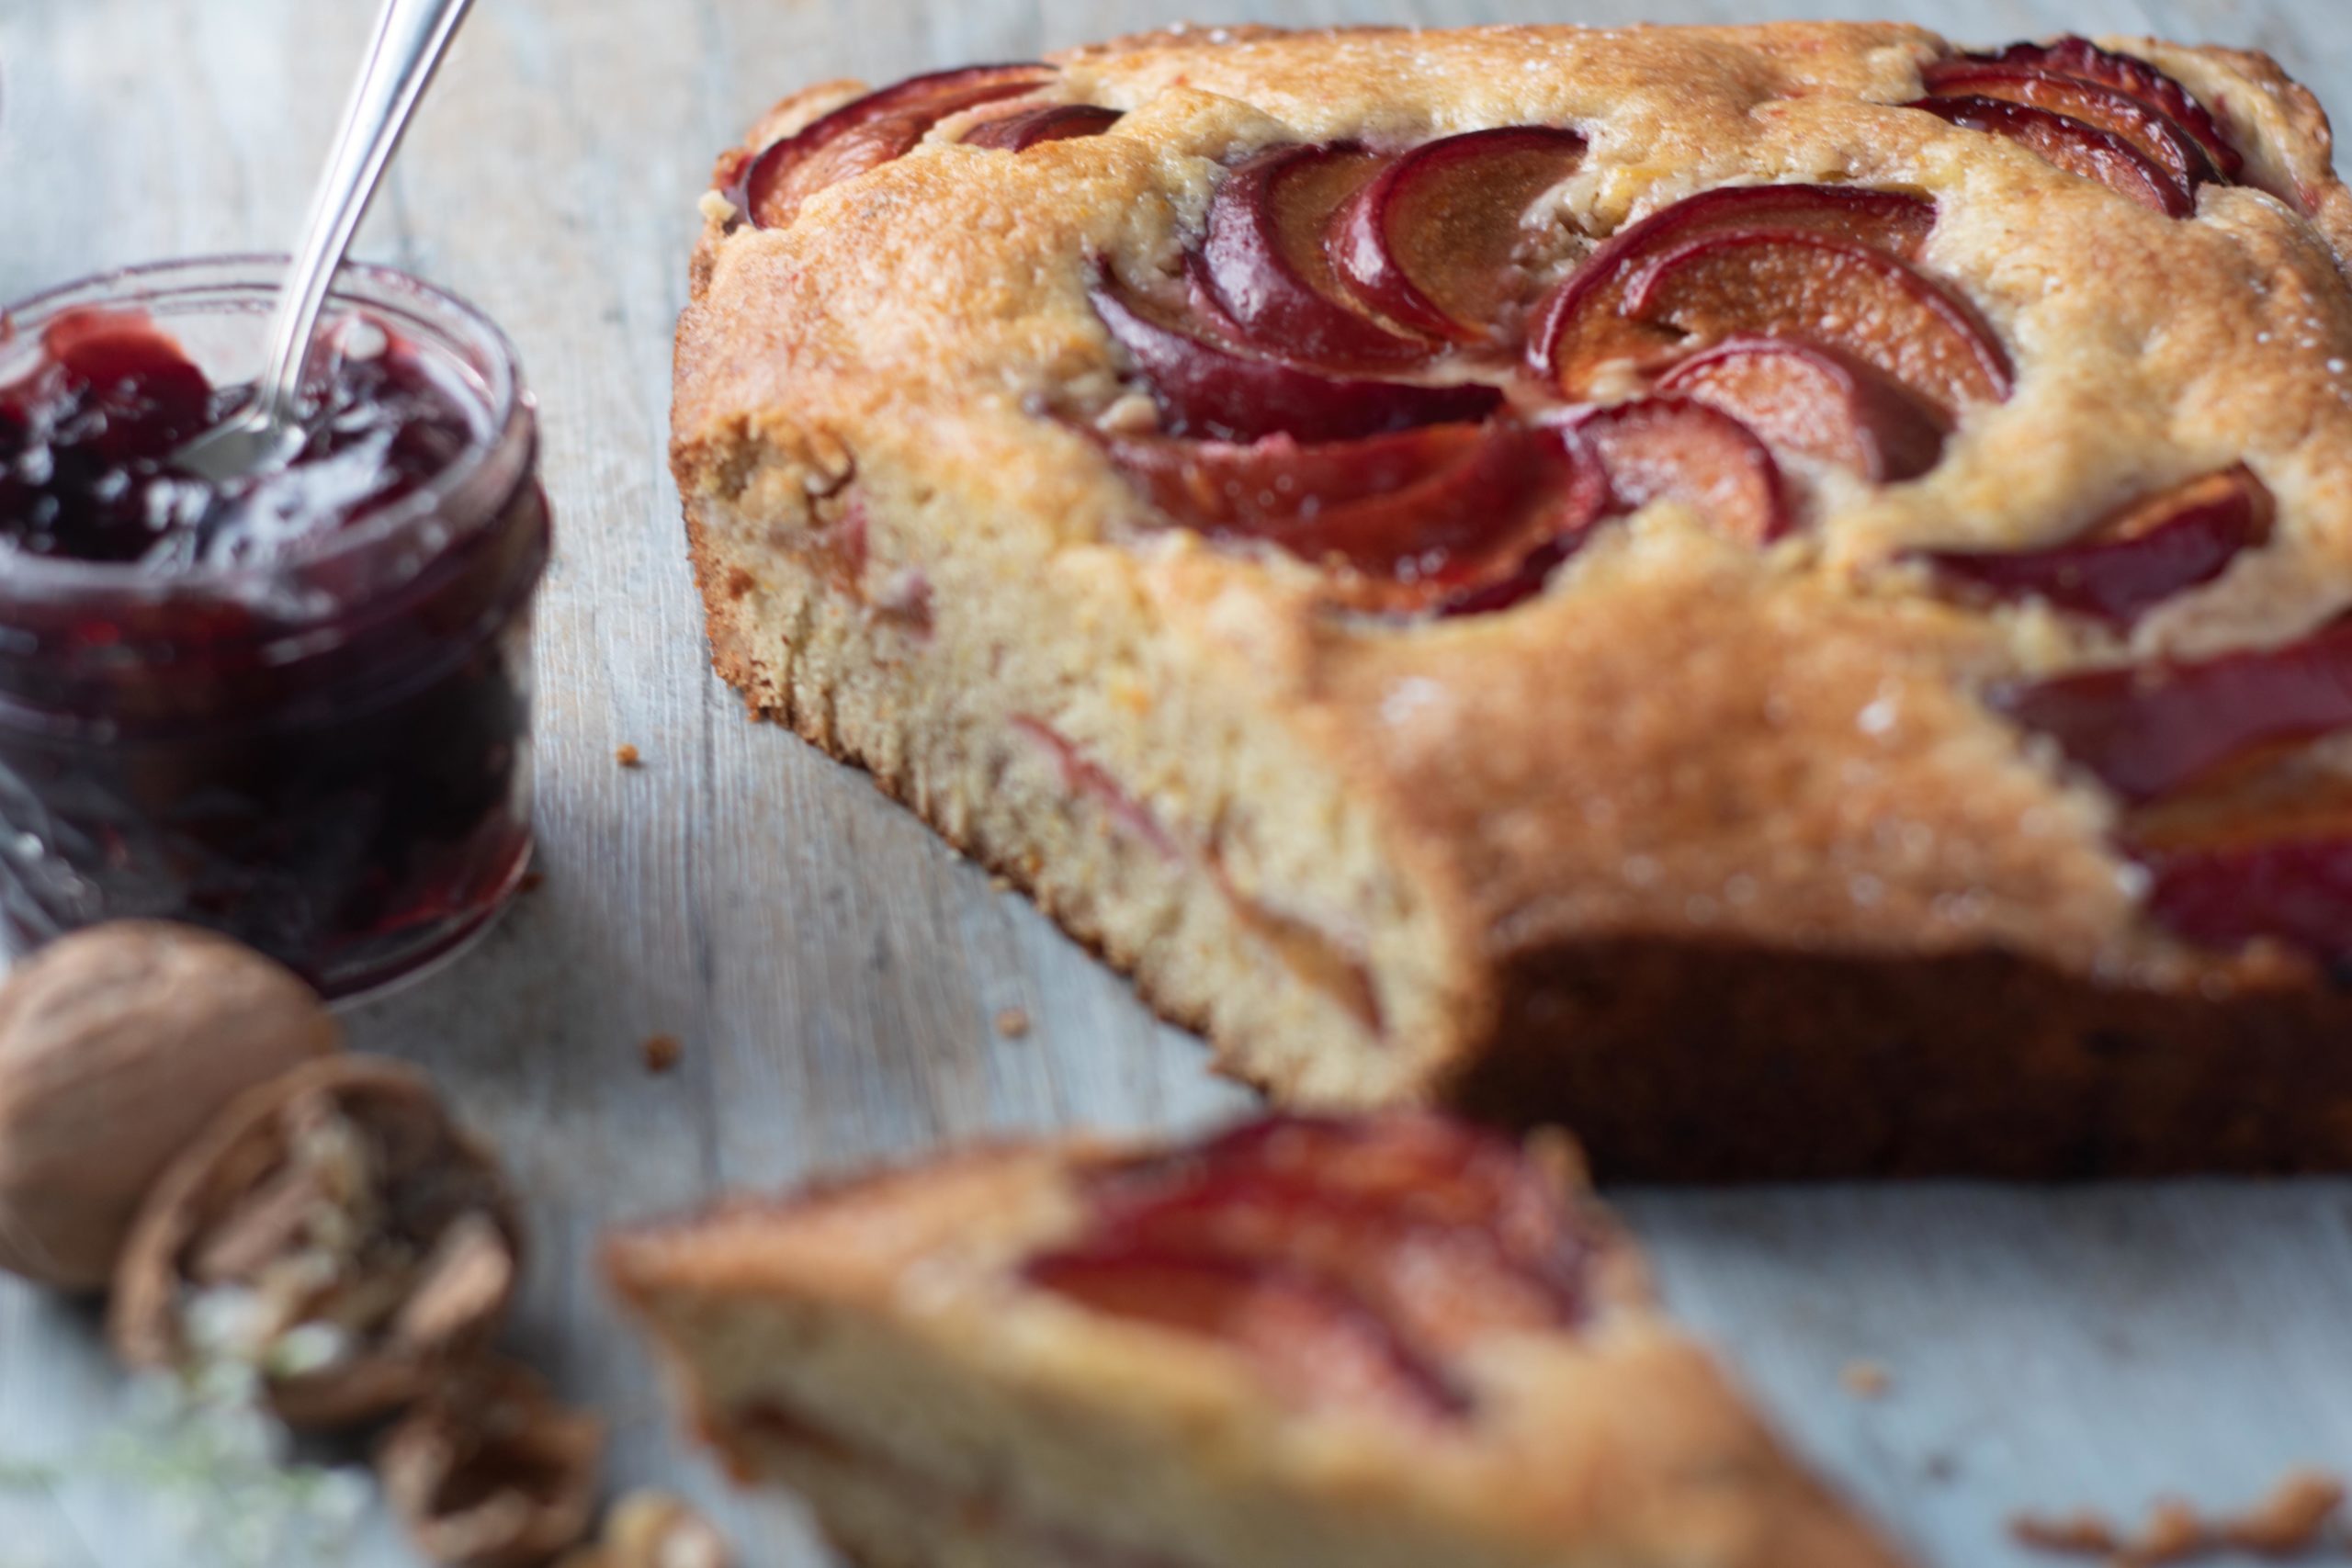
(296, 707)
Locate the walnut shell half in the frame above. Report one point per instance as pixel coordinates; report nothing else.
(490, 1471)
(334, 1230)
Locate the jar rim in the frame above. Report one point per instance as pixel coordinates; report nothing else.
(252, 279)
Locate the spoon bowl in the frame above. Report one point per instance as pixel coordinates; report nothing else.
(248, 443)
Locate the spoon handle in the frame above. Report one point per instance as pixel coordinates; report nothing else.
(410, 38)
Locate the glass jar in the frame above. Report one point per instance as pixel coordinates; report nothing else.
(326, 754)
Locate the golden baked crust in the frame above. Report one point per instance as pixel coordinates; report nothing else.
(874, 1345)
(1361, 852)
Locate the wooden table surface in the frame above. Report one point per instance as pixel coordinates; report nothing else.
(833, 971)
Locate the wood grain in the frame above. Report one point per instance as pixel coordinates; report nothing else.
(833, 971)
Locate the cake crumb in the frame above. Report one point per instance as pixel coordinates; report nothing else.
(999, 883)
(532, 882)
(2079, 1534)
(1866, 1380)
(628, 757)
(2290, 1519)
(661, 1052)
(2172, 1533)
(1013, 1023)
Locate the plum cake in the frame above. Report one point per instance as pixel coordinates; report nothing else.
(1782, 594)
(1379, 1342)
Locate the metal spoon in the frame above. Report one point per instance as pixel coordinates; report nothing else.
(410, 38)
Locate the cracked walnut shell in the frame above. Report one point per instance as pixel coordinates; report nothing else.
(490, 1471)
(334, 1231)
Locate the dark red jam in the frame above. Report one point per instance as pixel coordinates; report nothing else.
(295, 708)
(86, 445)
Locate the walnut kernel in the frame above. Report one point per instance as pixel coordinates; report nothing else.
(332, 1230)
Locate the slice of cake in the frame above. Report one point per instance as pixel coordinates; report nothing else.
(1774, 594)
(1389, 1342)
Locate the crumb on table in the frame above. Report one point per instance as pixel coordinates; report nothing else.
(628, 757)
(661, 1052)
(1866, 1380)
(1012, 1023)
(2291, 1520)
(2173, 1532)
(532, 882)
(2080, 1534)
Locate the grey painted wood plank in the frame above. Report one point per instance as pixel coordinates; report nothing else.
(833, 971)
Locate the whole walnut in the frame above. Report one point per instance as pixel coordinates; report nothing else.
(117, 1045)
